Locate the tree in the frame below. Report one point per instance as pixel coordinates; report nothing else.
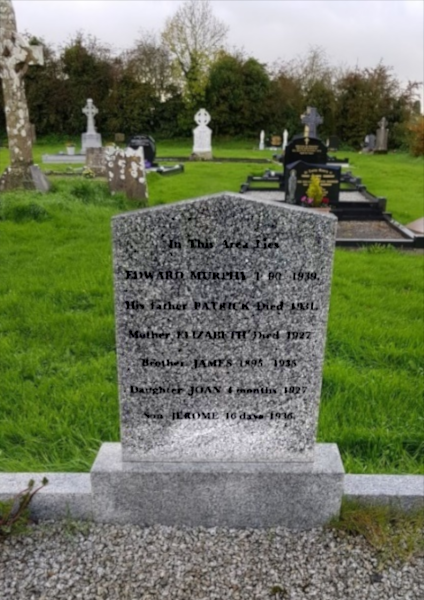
(236, 93)
(150, 61)
(194, 37)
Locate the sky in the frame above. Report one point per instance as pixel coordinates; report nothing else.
(353, 32)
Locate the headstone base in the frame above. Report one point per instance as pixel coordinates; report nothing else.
(201, 156)
(30, 178)
(217, 494)
(90, 140)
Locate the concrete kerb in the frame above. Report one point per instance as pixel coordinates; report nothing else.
(70, 494)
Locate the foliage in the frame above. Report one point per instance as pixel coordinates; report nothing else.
(236, 92)
(194, 36)
(396, 535)
(157, 85)
(416, 128)
(14, 513)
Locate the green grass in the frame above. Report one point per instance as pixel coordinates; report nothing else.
(58, 385)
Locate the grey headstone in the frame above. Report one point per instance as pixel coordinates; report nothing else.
(382, 136)
(135, 175)
(126, 172)
(40, 181)
(95, 159)
(221, 308)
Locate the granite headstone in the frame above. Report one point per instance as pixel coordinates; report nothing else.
(300, 173)
(306, 149)
(147, 143)
(221, 308)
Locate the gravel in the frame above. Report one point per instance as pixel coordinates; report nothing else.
(107, 562)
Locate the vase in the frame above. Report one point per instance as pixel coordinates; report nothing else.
(70, 150)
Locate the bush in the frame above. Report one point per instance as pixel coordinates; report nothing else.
(416, 129)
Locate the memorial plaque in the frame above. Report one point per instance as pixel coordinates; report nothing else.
(221, 307)
(329, 181)
(310, 150)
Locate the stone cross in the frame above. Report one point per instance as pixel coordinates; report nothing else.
(90, 112)
(285, 139)
(202, 117)
(202, 136)
(311, 119)
(382, 137)
(383, 123)
(16, 55)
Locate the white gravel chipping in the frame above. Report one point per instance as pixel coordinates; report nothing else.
(107, 562)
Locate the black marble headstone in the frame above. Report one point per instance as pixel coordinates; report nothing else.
(148, 144)
(333, 143)
(298, 177)
(310, 150)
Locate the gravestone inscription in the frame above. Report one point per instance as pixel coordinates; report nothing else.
(297, 183)
(221, 310)
(307, 149)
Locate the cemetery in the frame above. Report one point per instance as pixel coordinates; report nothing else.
(229, 349)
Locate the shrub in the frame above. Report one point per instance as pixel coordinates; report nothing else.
(416, 129)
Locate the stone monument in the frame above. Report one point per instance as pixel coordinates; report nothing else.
(262, 140)
(16, 56)
(221, 308)
(310, 119)
(382, 137)
(202, 136)
(126, 172)
(90, 139)
(285, 140)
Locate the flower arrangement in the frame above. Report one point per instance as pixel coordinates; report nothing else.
(70, 145)
(315, 194)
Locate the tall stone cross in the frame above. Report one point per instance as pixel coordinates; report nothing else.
(16, 55)
(90, 112)
(311, 119)
(383, 123)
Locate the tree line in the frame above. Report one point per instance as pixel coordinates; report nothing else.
(156, 87)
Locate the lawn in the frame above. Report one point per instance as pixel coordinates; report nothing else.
(58, 384)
